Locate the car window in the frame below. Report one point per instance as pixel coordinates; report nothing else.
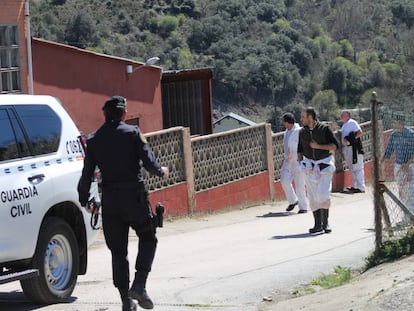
(22, 146)
(8, 145)
(43, 127)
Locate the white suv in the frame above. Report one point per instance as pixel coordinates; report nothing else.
(44, 232)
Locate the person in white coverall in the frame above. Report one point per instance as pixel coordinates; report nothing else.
(291, 170)
(351, 134)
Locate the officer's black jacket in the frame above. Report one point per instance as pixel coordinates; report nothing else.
(116, 148)
(321, 134)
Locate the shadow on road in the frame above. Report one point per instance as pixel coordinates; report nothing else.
(295, 236)
(278, 214)
(17, 301)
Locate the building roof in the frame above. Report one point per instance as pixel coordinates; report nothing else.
(237, 117)
(187, 74)
(80, 50)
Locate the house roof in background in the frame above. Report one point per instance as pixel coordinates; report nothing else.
(237, 117)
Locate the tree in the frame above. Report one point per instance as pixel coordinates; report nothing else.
(294, 108)
(206, 32)
(326, 103)
(81, 31)
(301, 57)
(336, 77)
(346, 50)
(270, 11)
(377, 75)
(403, 11)
(167, 25)
(275, 119)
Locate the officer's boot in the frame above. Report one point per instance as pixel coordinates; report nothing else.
(325, 225)
(317, 215)
(127, 303)
(139, 292)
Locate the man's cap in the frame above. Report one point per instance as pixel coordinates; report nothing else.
(116, 101)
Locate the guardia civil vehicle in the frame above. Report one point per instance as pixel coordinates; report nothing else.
(44, 232)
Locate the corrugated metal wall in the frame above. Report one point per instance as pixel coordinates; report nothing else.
(183, 105)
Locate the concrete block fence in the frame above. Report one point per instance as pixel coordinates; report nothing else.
(229, 169)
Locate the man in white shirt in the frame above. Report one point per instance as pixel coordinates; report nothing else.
(351, 134)
(291, 170)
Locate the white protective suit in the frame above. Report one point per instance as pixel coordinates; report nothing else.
(291, 170)
(357, 169)
(319, 182)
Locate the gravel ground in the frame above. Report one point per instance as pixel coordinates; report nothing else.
(386, 287)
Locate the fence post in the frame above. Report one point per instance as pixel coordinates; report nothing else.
(269, 159)
(189, 170)
(375, 172)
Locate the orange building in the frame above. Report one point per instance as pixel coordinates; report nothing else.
(81, 79)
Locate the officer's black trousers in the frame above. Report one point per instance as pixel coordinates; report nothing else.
(116, 223)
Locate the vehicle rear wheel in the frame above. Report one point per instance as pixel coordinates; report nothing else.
(57, 259)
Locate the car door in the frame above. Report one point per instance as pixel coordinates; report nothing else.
(24, 189)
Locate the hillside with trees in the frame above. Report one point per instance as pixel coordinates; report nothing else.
(267, 56)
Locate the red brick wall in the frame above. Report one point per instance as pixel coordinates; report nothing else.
(344, 179)
(174, 198)
(279, 193)
(83, 80)
(250, 190)
(12, 13)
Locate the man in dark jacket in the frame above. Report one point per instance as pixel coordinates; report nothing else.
(315, 147)
(117, 149)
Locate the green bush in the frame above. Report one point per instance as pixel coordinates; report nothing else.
(167, 25)
(391, 250)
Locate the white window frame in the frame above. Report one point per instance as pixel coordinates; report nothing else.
(9, 65)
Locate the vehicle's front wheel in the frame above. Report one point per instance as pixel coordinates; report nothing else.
(57, 259)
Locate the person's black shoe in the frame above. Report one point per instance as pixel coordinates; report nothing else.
(356, 190)
(350, 190)
(327, 229)
(129, 305)
(302, 211)
(315, 230)
(291, 206)
(141, 295)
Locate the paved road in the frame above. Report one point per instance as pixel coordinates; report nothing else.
(227, 261)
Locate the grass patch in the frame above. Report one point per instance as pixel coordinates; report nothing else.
(391, 250)
(305, 290)
(340, 277)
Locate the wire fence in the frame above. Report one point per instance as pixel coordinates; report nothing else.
(393, 171)
(388, 116)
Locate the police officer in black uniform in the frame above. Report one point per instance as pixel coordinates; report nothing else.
(118, 149)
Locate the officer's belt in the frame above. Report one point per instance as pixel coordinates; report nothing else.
(123, 185)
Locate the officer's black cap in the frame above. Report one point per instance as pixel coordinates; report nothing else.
(116, 101)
